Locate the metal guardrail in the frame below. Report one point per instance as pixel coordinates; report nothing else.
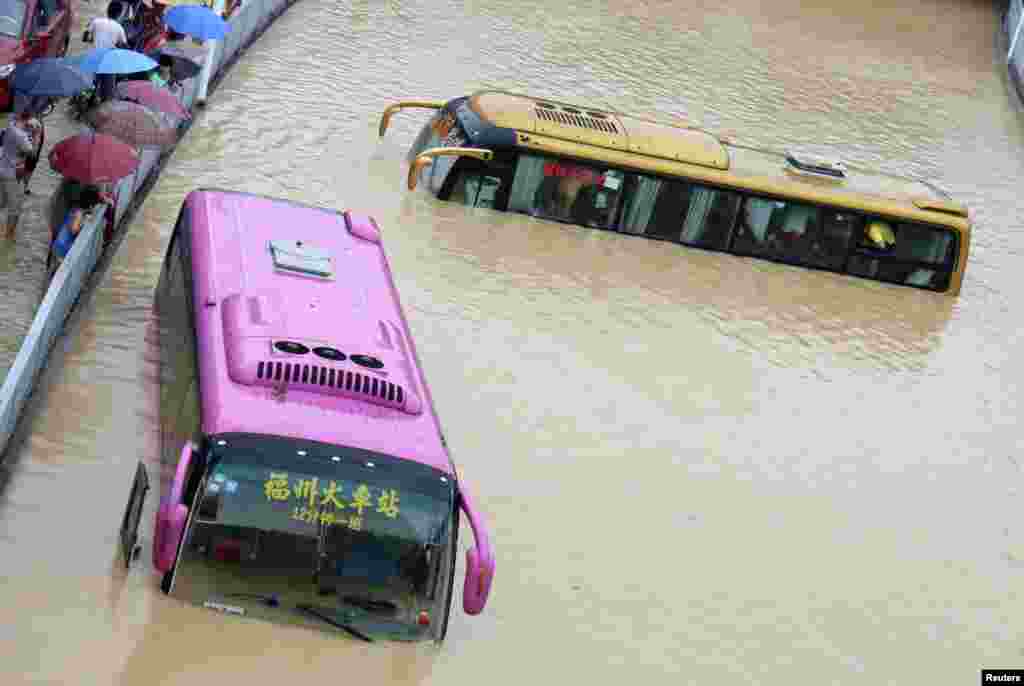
(1014, 23)
(247, 24)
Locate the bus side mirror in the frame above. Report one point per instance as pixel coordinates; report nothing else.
(173, 514)
(414, 170)
(480, 562)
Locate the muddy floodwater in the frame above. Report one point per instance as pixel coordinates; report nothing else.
(697, 469)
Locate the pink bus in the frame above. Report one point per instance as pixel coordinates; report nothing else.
(313, 483)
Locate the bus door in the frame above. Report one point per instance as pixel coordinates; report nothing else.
(129, 533)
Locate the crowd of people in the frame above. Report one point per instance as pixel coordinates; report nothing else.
(128, 24)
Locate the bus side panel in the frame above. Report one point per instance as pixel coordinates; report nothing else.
(208, 326)
(177, 349)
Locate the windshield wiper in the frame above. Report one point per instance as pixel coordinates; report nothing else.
(370, 605)
(313, 612)
(268, 600)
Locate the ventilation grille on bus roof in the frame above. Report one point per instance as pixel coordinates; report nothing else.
(570, 116)
(342, 382)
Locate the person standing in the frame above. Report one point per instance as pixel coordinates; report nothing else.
(17, 143)
(107, 32)
(36, 128)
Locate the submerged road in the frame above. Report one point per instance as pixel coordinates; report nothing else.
(698, 469)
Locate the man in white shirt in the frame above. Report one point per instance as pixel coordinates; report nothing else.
(106, 32)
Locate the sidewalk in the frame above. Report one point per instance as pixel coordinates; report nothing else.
(23, 275)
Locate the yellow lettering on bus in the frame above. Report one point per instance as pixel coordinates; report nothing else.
(276, 487)
(307, 489)
(387, 503)
(361, 499)
(330, 496)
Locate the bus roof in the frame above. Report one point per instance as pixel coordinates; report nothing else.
(280, 289)
(686, 150)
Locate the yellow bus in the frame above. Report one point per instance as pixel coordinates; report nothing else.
(632, 175)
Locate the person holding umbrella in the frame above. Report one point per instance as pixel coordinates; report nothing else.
(36, 130)
(107, 32)
(89, 159)
(34, 85)
(17, 144)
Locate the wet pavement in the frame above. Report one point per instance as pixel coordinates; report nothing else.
(698, 469)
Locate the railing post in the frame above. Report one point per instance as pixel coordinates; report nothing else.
(1016, 33)
(211, 51)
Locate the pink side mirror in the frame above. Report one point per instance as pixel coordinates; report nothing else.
(172, 515)
(479, 559)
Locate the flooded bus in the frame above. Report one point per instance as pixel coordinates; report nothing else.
(602, 169)
(313, 484)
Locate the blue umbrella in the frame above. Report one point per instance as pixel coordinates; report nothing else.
(196, 21)
(112, 61)
(51, 77)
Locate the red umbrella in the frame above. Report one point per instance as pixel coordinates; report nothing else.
(134, 124)
(93, 158)
(151, 96)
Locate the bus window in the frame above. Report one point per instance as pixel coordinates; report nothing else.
(709, 218)
(566, 191)
(679, 211)
(910, 254)
(655, 207)
(476, 190)
(796, 233)
(829, 248)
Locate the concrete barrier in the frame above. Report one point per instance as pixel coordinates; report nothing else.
(1013, 25)
(70, 279)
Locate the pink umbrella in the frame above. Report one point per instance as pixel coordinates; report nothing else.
(134, 124)
(151, 96)
(93, 158)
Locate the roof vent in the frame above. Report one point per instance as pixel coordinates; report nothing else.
(570, 116)
(329, 353)
(334, 379)
(299, 257)
(811, 165)
(372, 365)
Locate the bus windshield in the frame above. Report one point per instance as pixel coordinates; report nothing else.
(318, 535)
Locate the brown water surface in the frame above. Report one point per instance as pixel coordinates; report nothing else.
(698, 469)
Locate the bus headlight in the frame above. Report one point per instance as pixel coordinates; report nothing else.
(6, 70)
